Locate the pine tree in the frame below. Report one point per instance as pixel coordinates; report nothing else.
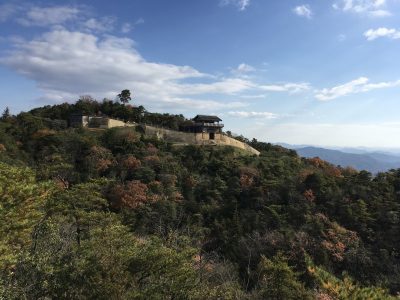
(6, 114)
(125, 96)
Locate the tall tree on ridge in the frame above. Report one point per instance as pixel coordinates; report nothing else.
(125, 96)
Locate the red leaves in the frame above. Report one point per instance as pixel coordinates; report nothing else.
(317, 162)
(131, 195)
(100, 158)
(309, 195)
(42, 133)
(131, 163)
(248, 176)
(152, 161)
(337, 239)
(151, 149)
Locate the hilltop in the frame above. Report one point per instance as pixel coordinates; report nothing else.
(118, 214)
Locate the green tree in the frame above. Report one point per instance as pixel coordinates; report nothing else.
(331, 287)
(125, 96)
(278, 281)
(22, 202)
(6, 114)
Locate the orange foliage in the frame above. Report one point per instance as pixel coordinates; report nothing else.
(43, 132)
(151, 149)
(317, 162)
(101, 158)
(329, 169)
(246, 181)
(333, 171)
(190, 182)
(152, 160)
(178, 197)
(309, 195)
(349, 171)
(323, 296)
(155, 186)
(131, 195)
(2, 148)
(131, 137)
(248, 177)
(337, 239)
(103, 164)
(131, 163)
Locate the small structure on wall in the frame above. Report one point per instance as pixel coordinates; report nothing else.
(205, 127)
(102, 122)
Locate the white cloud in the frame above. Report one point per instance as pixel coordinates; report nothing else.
(256, 96)
(139, 21)
(253, 114)
(240, 4)
(380, 13)
(341, 37)
(286, 87)
(243, 71)
(356, 86)
(374, 8)
(101, 25)
(373, 34)
(128, 27)
(65, 64)
(44, 16)
(303, 11)
(245, 68)
(228, 86)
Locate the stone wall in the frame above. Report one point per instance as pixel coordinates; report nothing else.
(105, 122)
(179, 137)
(115, 123)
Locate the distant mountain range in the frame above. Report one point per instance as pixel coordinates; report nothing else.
(373, 162)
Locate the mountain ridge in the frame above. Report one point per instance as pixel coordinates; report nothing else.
(373, 162)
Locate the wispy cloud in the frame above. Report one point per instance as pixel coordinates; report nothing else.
(128, 27)
(341, 37)
(303, 11)
(373, 34)
(245, 68)
(100, 25)
(286, 87)
(253, 114)
(7, 10)
(240, 4)
(360, 85)
(373, 8)
(77, 17)
(44, 16)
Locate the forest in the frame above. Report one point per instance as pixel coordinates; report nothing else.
(113, 214)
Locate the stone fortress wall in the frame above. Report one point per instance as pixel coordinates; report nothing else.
(172, 136)
(179, 137)
(116, 123)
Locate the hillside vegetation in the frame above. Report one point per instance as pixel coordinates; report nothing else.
(115, 215)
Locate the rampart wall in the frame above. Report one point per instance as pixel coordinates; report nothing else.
(179, 137)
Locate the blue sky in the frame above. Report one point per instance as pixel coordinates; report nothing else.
(303, 72)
